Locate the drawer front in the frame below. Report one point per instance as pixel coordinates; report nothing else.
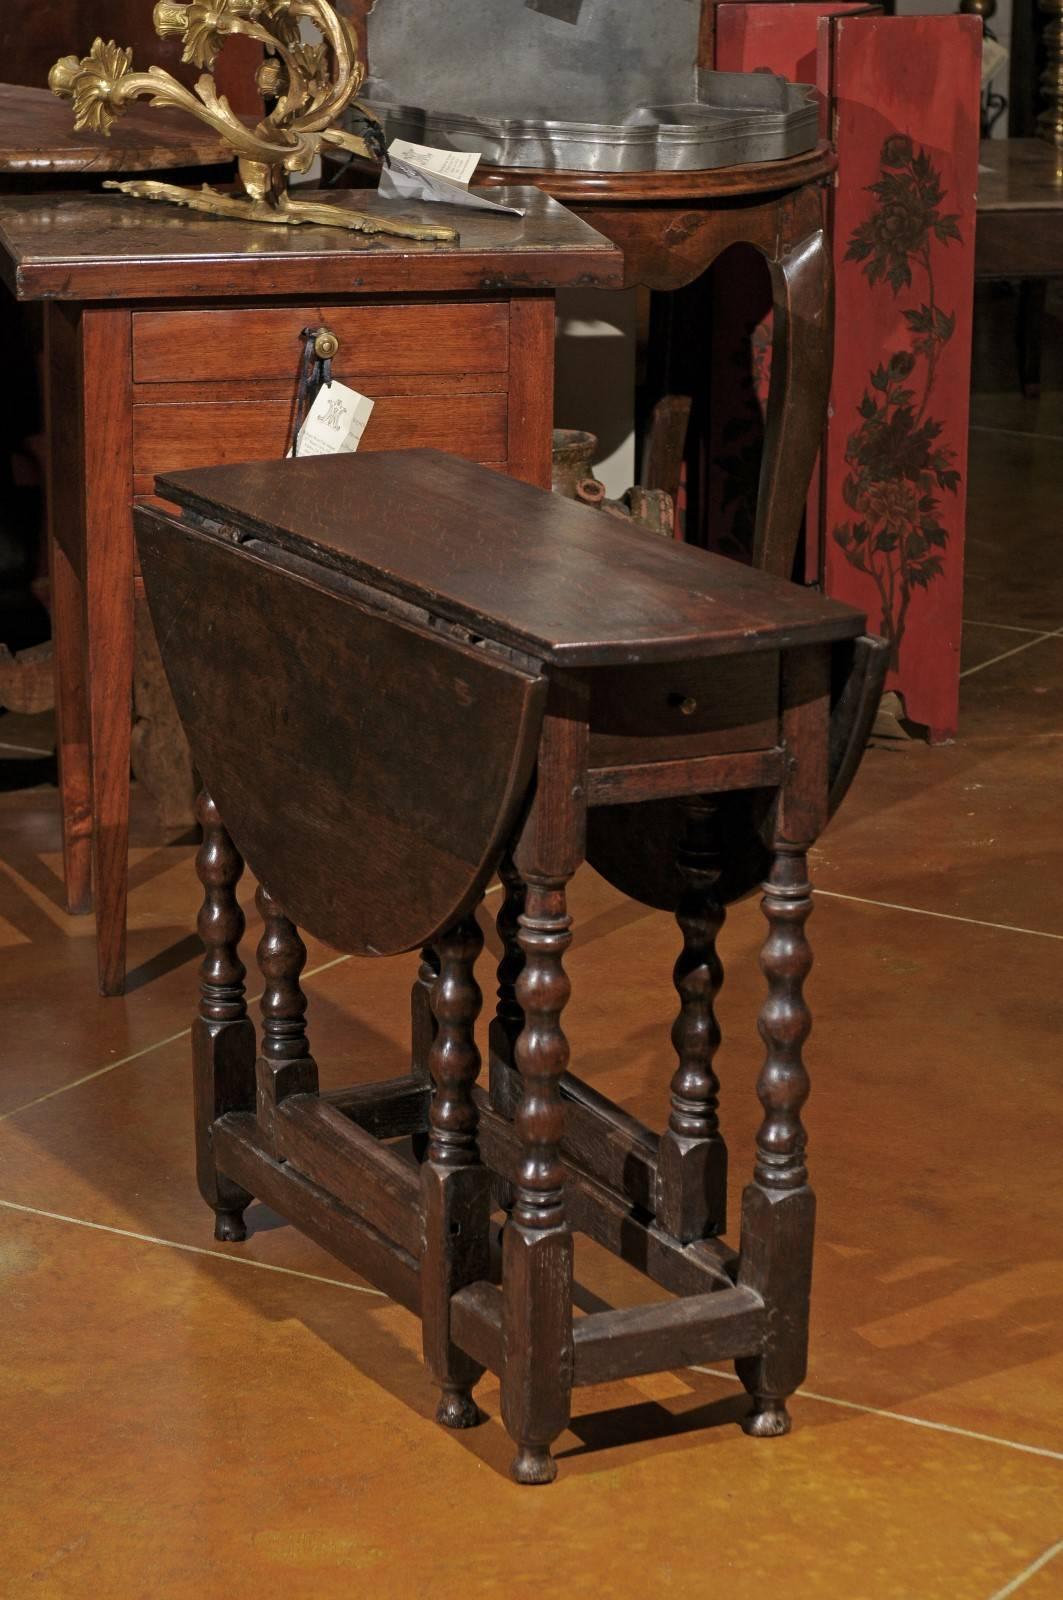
(169, 438)
(220, 346)
(700, 708)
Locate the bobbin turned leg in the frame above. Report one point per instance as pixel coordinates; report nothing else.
(691, 1200)
(508, 1020)
(422, 1031)
(423, 1024)
(537, 1242)
(223, 1037)
(455, 1186)
(285, 1065)
(778, 1207)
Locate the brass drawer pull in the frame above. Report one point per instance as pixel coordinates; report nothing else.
(326, 345)
(686, 703)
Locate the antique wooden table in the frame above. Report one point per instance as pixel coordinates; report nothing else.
(502, 668)
(175, 341)
(1020, 232)
(672, 227)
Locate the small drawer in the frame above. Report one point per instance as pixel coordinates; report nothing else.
(168, 438)
(385, 340)
(701, 708)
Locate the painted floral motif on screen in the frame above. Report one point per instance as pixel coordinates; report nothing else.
(898, 470)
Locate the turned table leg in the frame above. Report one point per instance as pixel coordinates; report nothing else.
(537, 1242)
(508, 1019)
(455, 1185)
(285, 1065)
(778, 1207)
(691, 1200)
(423, 1025)
(223, 1037)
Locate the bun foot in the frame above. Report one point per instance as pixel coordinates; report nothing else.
(769, 1419)
(533, 1464)
(458, 1409)
(229, 1227)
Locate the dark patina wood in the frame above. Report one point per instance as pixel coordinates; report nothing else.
(462, 577)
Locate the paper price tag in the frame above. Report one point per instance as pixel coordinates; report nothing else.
(456, 166)
(418, 172)
(335, 422)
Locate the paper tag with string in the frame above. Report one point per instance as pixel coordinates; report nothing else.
(335, 422)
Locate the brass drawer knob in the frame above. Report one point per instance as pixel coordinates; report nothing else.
(686, 703)
(326, 345)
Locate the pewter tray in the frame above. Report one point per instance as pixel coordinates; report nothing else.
(579, 85)
(741, 117)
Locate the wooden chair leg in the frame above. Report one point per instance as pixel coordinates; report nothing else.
(691, 1200)
(285, 1065)
(537, 1242)
(455, 1185)
(223, 1036)
(778, 1207)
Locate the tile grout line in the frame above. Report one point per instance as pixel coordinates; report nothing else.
(903, 1416)
(1007, 627)
(1005, 655)
(160, 1044)
(711, 1372)
(1028, 1572)
(945, 916)
(190, 1249)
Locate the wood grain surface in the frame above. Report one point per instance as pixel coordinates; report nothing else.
(298, 704)
(110, 247)
(448, 536)
(38, 138)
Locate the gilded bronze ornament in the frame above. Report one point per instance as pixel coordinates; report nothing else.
(311, 87)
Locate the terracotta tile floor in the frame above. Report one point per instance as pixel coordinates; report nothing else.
(184, 1420)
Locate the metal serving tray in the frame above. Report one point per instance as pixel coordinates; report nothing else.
(575, 85)
(743, 117)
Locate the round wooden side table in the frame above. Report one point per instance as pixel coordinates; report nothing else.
(672, 227)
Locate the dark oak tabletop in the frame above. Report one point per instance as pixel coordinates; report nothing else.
(524, 568)
(38, 139)
(109, 247)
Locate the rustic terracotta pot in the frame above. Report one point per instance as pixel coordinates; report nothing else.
(573, 474)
